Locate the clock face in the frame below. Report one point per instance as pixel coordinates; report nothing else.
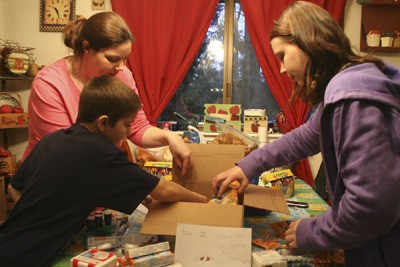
(55, 14)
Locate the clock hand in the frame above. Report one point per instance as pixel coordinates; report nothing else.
(58, 14)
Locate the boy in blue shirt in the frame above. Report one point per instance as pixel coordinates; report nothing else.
(73, 171)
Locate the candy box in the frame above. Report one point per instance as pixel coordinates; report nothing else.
(94, 258)
(282, 180)
(160, 169)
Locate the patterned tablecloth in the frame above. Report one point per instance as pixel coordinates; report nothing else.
(265, 237)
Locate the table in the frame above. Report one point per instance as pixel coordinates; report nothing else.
(262, 230)
(264, 233)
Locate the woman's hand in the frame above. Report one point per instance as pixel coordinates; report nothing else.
(290, 235)
(224, 179)
(181, 153)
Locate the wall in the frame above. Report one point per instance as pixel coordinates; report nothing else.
(19, 21)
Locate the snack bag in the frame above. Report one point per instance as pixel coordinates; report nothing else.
(230, 197)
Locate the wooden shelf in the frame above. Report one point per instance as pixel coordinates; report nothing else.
(382, 3)
(382, 16)
(19, 77)
(381, 49)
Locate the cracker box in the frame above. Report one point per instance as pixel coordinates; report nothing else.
(160, 169)
(279, 180)
(220, 114)
(94, 258)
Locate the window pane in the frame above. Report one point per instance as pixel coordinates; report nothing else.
(204, 80)
(249, 87)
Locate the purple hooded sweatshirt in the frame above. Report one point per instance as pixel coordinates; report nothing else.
(357, 129)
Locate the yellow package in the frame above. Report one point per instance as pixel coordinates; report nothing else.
(230, 197)
(280, 180)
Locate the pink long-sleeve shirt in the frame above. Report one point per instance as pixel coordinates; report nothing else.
(54, 99)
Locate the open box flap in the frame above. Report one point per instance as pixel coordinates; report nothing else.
(162, 218)
(207, 161)
(265, 198)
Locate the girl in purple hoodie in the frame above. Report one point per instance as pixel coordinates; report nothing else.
(356, 127)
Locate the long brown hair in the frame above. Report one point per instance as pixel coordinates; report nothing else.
(102, 30)
(319, 36)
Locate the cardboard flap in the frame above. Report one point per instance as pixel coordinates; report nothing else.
(162, 218)
(208, 161)
(265, 198)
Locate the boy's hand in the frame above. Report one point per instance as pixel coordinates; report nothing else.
(147, 201)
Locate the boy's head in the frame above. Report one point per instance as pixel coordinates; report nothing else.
(107, 96)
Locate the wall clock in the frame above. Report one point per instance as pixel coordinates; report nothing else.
(55, 14)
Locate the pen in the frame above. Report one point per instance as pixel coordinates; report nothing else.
(292, 203)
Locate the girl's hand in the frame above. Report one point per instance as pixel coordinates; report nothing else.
(290, 235)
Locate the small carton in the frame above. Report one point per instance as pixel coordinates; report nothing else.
(163, 258)
(282, 180)
(207, 161)
(147, 250)
(7, 165)
(94, 258)
(267, 258)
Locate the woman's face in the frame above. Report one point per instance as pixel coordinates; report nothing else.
(107, 61)
(293, 59)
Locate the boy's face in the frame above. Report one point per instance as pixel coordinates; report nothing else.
(120, 130)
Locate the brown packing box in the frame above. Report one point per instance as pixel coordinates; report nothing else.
(209, 160)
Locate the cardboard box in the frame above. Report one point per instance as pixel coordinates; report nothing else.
(209, 160)
(279, 180)
(13, 120)
(7, 165)
(222, 114)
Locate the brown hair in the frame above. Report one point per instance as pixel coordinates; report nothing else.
(319, 36)
(102, 30)
(107, 95)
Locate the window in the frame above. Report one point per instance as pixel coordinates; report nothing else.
(225, 71)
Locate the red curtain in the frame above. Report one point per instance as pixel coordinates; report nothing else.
(168, 36)
(259, 16)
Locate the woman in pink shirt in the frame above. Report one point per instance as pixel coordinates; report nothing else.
(101, 45)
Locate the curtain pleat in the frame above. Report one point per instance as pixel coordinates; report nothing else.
(260, 16)
(168, 36)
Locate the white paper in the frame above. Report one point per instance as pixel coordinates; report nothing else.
(263, 134)
(199, 245)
